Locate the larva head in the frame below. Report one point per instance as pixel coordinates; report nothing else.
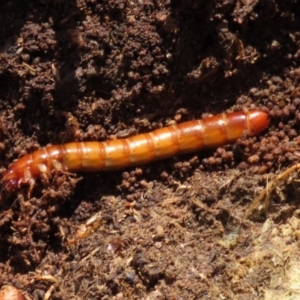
(10, 180)
(257, 121)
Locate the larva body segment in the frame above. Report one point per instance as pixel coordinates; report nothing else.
(140, 149)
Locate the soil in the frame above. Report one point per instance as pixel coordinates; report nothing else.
(173, 229)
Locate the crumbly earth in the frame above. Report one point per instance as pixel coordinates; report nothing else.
(174, 229)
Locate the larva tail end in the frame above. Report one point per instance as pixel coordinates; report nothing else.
(258, 121)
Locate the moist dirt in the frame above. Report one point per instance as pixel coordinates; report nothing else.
(173, 229)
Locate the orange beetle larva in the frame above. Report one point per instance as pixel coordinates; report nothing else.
(140, 149)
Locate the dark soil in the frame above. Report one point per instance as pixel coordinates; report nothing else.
(174, 229)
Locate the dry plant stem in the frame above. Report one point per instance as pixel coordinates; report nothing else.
(264, 196)
(85, 230)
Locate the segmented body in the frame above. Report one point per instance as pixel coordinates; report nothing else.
(140, 149)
